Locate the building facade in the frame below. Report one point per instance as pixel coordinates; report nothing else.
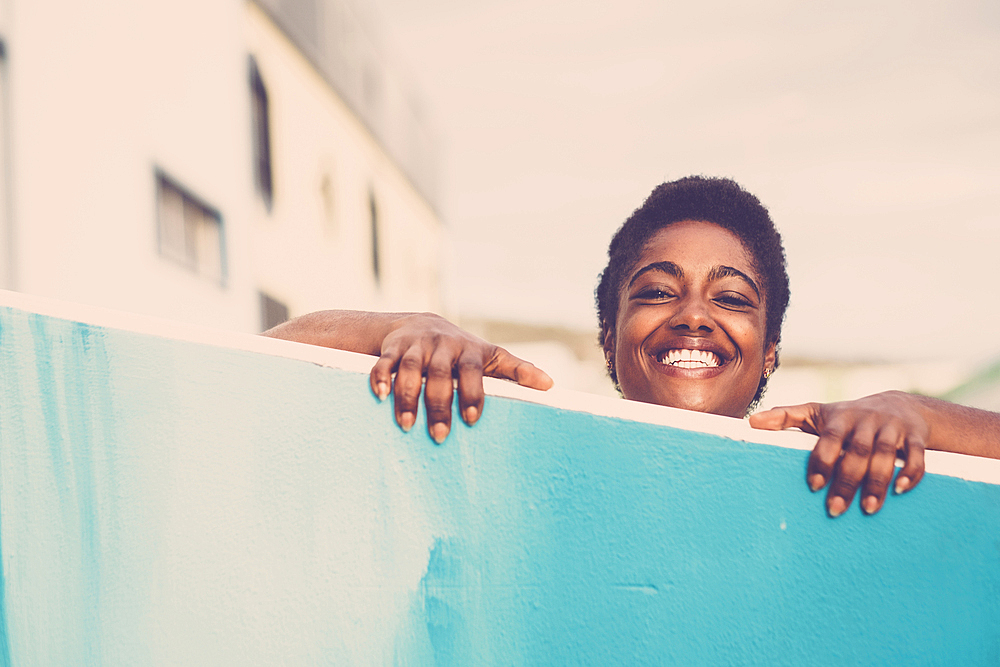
(210, 161)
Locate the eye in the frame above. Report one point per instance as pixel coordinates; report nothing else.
(654, 294)
(733, 300)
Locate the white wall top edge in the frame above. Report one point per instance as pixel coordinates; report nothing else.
(944, 463)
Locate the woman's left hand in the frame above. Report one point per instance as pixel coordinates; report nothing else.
(858, 445)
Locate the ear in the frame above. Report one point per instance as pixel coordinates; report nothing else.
(609, 344)
(771, 355)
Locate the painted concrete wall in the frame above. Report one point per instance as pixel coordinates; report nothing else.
(205, 499)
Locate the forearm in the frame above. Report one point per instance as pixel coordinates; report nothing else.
(961, 429)
(351, 330)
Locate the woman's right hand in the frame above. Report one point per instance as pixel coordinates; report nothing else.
(424, 344)
(414, 345)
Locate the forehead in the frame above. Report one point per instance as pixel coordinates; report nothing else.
(696, 245)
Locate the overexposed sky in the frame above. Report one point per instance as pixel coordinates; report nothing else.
(870, 130)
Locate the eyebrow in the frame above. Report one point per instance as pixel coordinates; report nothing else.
(729, 272)
(715, 274)
(666, 267)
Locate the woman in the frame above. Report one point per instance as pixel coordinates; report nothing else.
(690, 308)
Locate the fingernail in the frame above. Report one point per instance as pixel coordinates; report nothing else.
(902, 484)
(870, 505)
(836, 506)
(381, 390)
(439, 432)
(406, 421)
(471, 415)
(816, 482)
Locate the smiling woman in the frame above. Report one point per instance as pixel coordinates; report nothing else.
(700, 267)
(690, 309)
(689, 330)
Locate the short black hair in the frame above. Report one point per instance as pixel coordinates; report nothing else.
(717, 200)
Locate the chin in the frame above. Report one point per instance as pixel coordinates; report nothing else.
(697, 403)
(724, 411)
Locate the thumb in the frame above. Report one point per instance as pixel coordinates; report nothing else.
(793, 416)
(505, 365)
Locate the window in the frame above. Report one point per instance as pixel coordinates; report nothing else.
(261, 125)
(373, 211)
(329, 204)
(272, 312)
(190, 232)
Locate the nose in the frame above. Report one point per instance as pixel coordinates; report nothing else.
(693, 314)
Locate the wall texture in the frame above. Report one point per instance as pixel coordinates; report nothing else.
(165, 502)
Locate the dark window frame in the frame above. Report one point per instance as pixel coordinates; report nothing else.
(190, 256)
(272, 311)
(260, 119)
(376, 244)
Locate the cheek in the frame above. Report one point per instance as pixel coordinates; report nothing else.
(750, 338)
(629, 337)
(633, 328)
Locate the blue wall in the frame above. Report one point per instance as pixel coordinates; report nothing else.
(171, 502)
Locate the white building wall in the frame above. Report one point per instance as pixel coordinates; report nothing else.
(314, 250)
(102, 94)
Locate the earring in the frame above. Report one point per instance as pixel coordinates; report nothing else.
(767, 372)
(610, 362)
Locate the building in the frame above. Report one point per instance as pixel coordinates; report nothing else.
(223, 162)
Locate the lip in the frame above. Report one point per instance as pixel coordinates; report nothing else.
(724, 356)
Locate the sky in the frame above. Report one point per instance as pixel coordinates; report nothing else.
(871, 131)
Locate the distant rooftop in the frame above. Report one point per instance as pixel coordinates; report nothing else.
(341, 40)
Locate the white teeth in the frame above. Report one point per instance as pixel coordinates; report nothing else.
(690, 358)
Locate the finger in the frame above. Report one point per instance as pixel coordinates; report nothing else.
(470, 387)
(409, 382)
(851, 470)
(880, 469)
(826, 454)
(380, 376)
(505, 365)
(438, 392)
(913, 469)
(803, 417)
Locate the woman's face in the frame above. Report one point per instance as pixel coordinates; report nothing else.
(691, 322)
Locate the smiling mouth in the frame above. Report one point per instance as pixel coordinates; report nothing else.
(680, 358)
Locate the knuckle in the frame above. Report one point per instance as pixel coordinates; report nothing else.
(913, 466)
(410, 363)
(408, 387)
(844, 487)
(407, 396)
(848, 477)
(466, 365)
(877, 486)
(836, 428)
(879, 477)
(438, 371)
(861, 447)
(820, 463)
(438, 407)
(885, 444)
(438, 411)
(495, 354)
